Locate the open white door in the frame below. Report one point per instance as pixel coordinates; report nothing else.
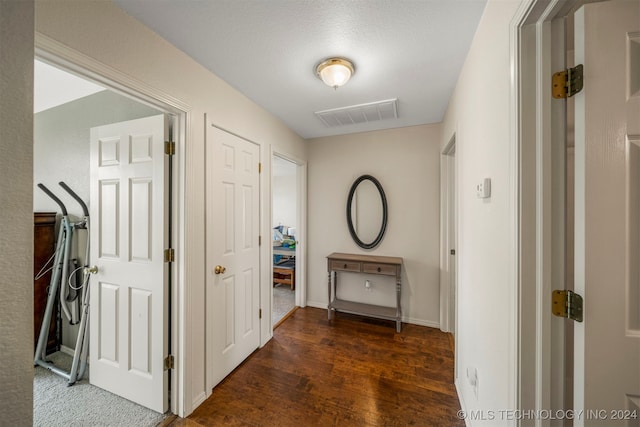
(233, 261)
(607, 213)
(128, 294)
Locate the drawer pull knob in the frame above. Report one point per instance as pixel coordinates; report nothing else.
(345, 266)
(379, 269)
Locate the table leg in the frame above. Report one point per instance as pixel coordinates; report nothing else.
(399, 310)
(329, 300)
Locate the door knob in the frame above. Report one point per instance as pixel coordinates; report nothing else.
(219, 269)
(91, 270)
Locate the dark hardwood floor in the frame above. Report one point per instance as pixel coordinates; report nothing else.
(352, 371)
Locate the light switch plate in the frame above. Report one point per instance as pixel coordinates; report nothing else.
(483, 189)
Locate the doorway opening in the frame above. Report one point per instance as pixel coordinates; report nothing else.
(565, 162)
(67, 107)
(285, 216)
(448, 243)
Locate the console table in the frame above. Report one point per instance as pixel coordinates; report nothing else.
(369, 264)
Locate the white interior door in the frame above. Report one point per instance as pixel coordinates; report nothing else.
(607, 212)
(232, 223)
(128, 294)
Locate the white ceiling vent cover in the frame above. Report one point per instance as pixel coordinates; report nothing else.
(363, 113)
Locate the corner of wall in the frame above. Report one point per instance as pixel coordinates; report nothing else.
(16, 199)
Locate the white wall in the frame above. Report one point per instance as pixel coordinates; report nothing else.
(105, 33)
(479, 113)
(284, 200)
(406, 161)
(16, 239)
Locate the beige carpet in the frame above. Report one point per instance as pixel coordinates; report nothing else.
(283, 302)
(82, 404)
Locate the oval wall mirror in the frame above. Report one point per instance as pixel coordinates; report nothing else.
(367, 212)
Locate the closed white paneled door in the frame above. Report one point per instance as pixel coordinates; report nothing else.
(232, 257)
(128, 294)
(607, 213)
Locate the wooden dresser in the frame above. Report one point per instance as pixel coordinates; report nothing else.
(44, 244)
(369, 264)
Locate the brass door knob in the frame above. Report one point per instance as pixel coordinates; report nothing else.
(219, 269)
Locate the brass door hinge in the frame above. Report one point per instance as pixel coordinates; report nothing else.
(169, 362)
(567, 304)
(169, 255)
(259, 167)
(567, 83)
(169, 148)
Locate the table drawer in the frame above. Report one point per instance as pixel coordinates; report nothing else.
(345, 266)
(389, 270)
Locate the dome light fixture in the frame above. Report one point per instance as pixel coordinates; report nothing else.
(335, 72)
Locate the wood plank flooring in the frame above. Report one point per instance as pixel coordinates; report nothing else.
(352, 371)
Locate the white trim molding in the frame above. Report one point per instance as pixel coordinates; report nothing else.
(448, 235)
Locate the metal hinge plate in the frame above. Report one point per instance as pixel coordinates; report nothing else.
(567, 304)
(260, 314)
(169, 255)
(169, 148)
(259, 167)
(259, 240)
(169, 362)
(567, 83)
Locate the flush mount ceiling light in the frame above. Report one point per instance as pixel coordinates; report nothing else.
(335, 72)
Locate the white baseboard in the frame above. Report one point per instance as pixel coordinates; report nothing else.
(463, 407)
(67, 350)
(315, 304)
(199, 399)
(413, 321)
(420, 322)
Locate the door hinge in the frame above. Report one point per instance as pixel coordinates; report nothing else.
(567, 83)
(169, 362)
(567, 304)
(169, 255)
(260, 314)
(259, 240)
(169, 148)
(259, 167)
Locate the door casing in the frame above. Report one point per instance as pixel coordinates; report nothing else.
(538, 52)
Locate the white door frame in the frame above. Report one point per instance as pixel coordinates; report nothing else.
(86, 67)
(536, 120)
(448, 242)
(301, 226)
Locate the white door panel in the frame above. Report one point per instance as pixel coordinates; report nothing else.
(232, 220)
(128, 294)
(607, 343)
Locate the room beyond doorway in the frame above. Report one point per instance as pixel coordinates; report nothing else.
(284, 190)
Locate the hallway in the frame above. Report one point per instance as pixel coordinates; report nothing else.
(356, 371)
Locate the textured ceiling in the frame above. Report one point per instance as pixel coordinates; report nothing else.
(411, 50)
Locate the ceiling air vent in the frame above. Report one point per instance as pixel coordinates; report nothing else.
(363, 113)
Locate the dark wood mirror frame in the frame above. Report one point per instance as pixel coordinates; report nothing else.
(383, 226)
